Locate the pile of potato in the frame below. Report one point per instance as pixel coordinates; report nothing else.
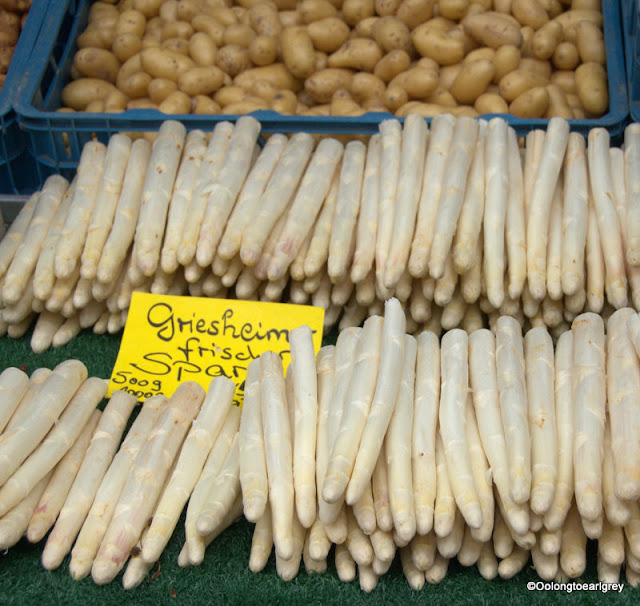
(13, 14)
(532, 58)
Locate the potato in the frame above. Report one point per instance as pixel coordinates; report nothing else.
(246, 106)
(570, 19)
(343, 105)
(239, 34)
(115, 101)
(357, 10)
(169, 11)
(365, 86)
(276, 73)
(264, 20)
(391, 65)
(134, 85)
(590, 43)
(526, 48)
(297, 51)
(324, 83)
(79, 93)
(462, 111)
(233, 59)
(284, 102)
(566, 80)
(289, 18)
(201, 104)
(419, 82)
(529, 12)
(202, 49)
(142, 103)
(565, 56)
(100, 11)
(365, 28)
(202, 80)
(263, 50)
(553, 7)
(390, 33)
(457, 33)
(558, 105)
(95, 107)
(97, 38)
(448, 74)
(542, 68)
(222, 14)
(6, 54)
(384, 8)
(162, 63)
(160, 88)
(591, 87)
(210, 26)
(131, 22)
(229, 94)
(546, 40)
(472, 80)
(426, 110)
(97, 63)
(484, 52)
(126, 45)
(360, 54)
(329, 34)
(395, 97)
(506, 59)
(149, 8)
(518, 81)
(453, 9)
(177, 29)
(492, 29)
(316, 10)
(532, 103)
(437, 45)
(441, 96)
(176, 103)
(490, 103)
(178, 45)
(415, 12)
(16, 6)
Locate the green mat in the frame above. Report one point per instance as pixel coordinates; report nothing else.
(224, 576)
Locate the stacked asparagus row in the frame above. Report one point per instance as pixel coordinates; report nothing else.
(453, 220)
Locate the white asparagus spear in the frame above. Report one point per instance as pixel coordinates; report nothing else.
(207, 174)
(631, 169)
(513, 563)
(554, 245)
(453, 188)
(454, 369)
(616, 511)
(306, 205)
(574, 214)
(145, 481)
(108, 193)
(217, 456)
(515, 232)
(487, 562)
(319, 543)
(513, 406)
(261, 542)
(53, 396)
(345, 566)
(391, 357)
(191, 460)
(603, 198)
(62, 477)
(250, 194)
(484, 385)
(445, 506)
(43, 275)
(398, 449)
(277, 194)
(73, 234)
(438, 571)
(546, 565)
(253, 465)
(391, 139)
(414, 576)
(156, 194)
(223, 193)
(16, 232)
(306, 421)
(425, 421)
(594, 259)
(380, 491)
(441, 134)
(357, 542)
(589, 397)
(278, 450)
(412, 160)
(623, 404)
(194, 149)
(14, 523)
(449, 546)
(538, 212)
(574, 542)
(344, 224)
(470, 549)
(496, 192)
(539, 363)
(563, 496)
(69, 329)
(287, 570)
(45, 457)
(364, 511)
(472, 211)
(357, 404)
(127, 212)
(13, 386)
(366, 233)
(611, 544)
(26, 256)
(24, 409)
(502, 539)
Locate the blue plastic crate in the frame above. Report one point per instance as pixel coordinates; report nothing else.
(17, 172)
(629, 13)
(57, 138)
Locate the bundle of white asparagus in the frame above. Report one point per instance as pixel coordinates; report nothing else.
(455, 220)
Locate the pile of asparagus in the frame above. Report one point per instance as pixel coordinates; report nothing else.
(453, 219)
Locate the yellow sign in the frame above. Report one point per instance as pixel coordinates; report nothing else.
(168, 340)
